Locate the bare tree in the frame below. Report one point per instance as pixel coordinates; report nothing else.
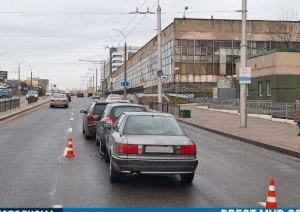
(287, 29)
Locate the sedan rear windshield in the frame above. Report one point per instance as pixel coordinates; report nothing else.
(59, 96)
(117, 111)
(152, 125)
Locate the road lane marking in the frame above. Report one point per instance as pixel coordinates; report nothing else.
(57, 206)
(262, 203)
(71, 119)
(72, 113)
(70, 129)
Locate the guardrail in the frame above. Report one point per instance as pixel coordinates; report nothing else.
(265, 107)
(9, 104)
(164, 107)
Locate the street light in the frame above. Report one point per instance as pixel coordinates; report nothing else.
(31, 67)
(186, 8)
(97, 61)
(125, 63)
(19, 76)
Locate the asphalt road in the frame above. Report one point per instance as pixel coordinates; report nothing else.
(34, 173)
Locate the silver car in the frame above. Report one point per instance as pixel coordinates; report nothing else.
(150, 143)
(59, 100)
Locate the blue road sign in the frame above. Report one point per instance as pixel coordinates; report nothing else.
(125, 83)
(160, 73)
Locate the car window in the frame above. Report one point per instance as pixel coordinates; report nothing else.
(99, 108)
(152, 125)
(118, 110)
(119, 121)
(57, 95)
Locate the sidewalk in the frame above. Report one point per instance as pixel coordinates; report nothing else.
(24, 107)
(273, 135)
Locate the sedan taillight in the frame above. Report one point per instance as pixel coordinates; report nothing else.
(127, 148)
(188, 150)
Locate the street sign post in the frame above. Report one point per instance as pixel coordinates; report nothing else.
(159, 73)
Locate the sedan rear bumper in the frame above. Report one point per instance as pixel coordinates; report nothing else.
(161, 167)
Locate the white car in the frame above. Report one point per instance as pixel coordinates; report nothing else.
(96, 96)
(59, 100)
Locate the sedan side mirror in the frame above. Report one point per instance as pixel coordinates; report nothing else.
(83, 111)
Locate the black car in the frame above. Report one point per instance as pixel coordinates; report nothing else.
(91, 117)
(110, 115)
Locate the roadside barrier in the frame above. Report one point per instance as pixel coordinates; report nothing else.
(271, 198)
(69, 150)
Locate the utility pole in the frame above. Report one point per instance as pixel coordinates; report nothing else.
(159, 86)
(243, 70)
(95, 62)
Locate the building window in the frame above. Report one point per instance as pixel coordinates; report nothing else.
(268, 88)
(259, 88)
(247, 89)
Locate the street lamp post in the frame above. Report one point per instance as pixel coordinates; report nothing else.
(125, 63)
(96, 61)
(19, 78)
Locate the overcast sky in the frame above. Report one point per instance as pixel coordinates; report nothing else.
(50, 36)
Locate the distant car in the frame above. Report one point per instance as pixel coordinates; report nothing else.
(91, 117)
(110, 115)
(96, 96)
(32, 93)
(48, 93)
(149, 143)
(59, 100)
(80, 94)
(113, 97)
(68, 96)
(5, 93)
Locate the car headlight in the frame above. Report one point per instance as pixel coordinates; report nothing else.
(35, 95)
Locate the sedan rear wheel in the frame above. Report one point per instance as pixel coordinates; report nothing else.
(106, 156)
(187, 178)
(97, 141)
(114, 175)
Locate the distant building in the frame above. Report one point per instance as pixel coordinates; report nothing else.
(197, 53)
(118, 56)
(275, 75)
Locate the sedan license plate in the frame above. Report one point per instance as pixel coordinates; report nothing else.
(159, 149)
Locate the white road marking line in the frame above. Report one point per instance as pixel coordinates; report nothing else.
(70, 129)
(72, 113)
(57, 206)
(71, 119)
(262, 203)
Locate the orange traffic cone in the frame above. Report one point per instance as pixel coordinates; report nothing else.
(69, 150)
(271, 198)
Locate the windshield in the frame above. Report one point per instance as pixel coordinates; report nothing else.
(152, 125)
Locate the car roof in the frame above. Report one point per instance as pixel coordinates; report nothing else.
(117, 104)
(147, 114)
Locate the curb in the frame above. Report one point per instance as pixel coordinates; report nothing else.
(22, 111)
(252, 142)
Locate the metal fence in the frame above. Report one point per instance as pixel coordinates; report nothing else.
(164, 107)
(9, 104)
(266, 107)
